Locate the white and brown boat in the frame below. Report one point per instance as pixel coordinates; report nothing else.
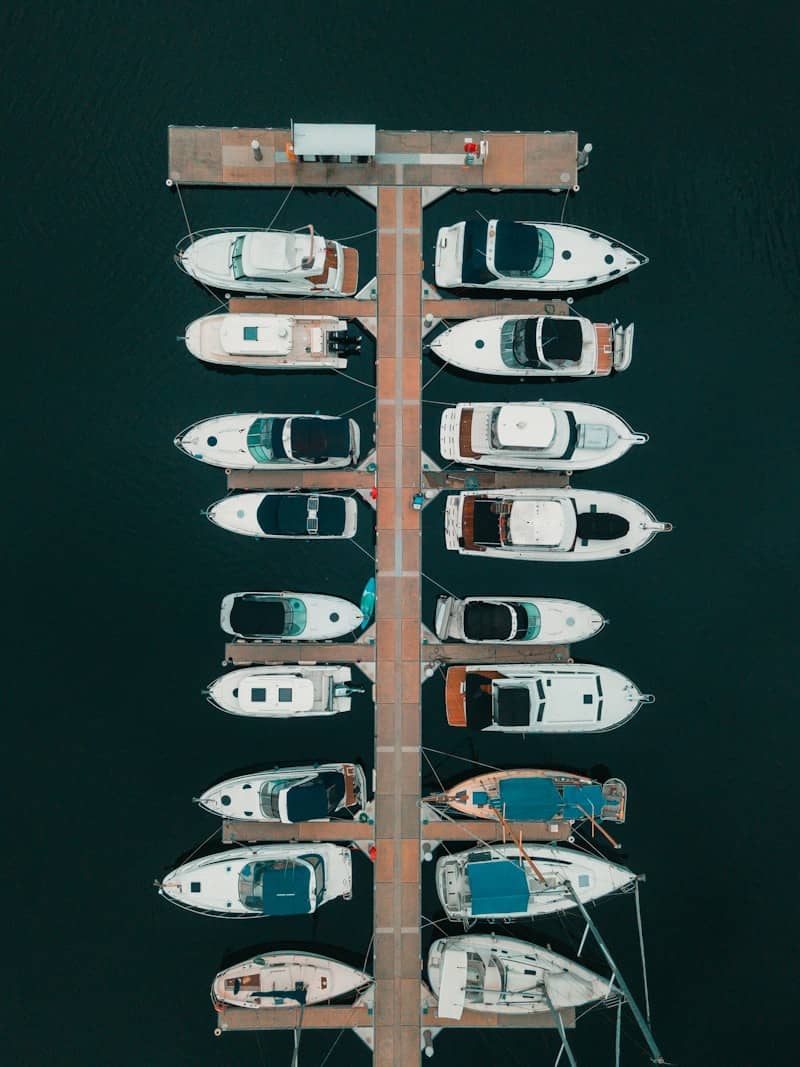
(272, 342)
(286, 980)
(533, 795)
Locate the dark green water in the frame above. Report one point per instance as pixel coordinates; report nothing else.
(113, 577)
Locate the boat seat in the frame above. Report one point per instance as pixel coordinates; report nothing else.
(601, 526)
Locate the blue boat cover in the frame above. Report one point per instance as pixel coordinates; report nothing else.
(307, 801)
(588, 797)
(537, 799)
(498, 887)
(285, 889)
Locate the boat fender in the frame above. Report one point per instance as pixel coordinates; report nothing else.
(372, 853)
(218, 1006)
(217, 1032)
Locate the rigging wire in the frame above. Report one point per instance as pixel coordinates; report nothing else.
(183, 209)
(464, 759)
(355, 236)
(280, 209)
(641, 949)
(356, 407)
(369, 385)
(433, 377)
(564, 206)
(442, 587)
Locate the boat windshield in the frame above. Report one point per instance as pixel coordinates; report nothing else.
(269, 796)
(534, 623)
(236, 258)
(318, 866)
(473, 254)
(522, 251)
(264, 440)
(296, 616)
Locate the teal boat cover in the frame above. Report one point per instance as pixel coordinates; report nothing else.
(498, 887)
(285, 889)
(540, 799)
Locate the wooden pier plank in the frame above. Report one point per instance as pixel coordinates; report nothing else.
(248, 653)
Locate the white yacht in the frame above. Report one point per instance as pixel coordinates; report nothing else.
(515, 620)
(502, 975)
(283, 691)
(288, 616)
(272, 342)
(299, 516)
(266, 880)
(256, 441)
(286, 980)
(492, 882)
(540, 698)
(548, 524)
(540, 347)
(532, 256)
(538, 435)
(290, 794)
(247, 260)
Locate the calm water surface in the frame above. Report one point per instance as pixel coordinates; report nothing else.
(113, 577)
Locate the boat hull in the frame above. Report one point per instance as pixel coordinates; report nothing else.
(331, 691)
(264, 980)
(561, 621)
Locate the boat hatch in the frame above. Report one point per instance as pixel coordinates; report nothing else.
(498, 888)
(277, 887)
(319, 439)
(512, 704)
(272, 337)
(452, 983)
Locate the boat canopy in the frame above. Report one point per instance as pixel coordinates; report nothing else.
(493, 622)
(315, 799)
(268, 616)
(544, 523)
(522, 250)
(473, 254)
(498, 887)
(296, 516)
(541, 343)
(540, 799)
(277, 887)
(319, 439)
(521, 426)
(265, 255)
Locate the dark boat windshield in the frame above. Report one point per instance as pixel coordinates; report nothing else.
(522, 250)
(473, 254)
(561, 342)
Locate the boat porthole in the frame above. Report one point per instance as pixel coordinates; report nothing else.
(592, 279)
(479, 343)
(235, 692)
(566, 254)
(334, 616)
(225, 799)
(240, 514)
(211, 442)
(609, 259)
(612, 273)
(570, 621)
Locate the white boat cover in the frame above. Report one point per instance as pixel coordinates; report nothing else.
(276, 692)
(541, 522)
(264, 254)
(520, 426)
(452, 983)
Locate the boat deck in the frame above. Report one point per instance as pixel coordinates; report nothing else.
(212, 155)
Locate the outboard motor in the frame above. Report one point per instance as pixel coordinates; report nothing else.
(343, 342)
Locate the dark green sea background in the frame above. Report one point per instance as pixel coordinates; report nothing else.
(113, 577)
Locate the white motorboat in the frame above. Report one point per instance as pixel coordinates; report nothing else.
(288, 616)
(307, 516)
(536, 346)
(540, 435)
(482, 972)
(518, 620)
(272, 342)
(533, 795)
(530, 880)
(286, 980)
(290, 794)
(256, 441)
(531, 256)
(266, 880)
(540, 698)
(283, 691)
(251, 260)
(548, 524)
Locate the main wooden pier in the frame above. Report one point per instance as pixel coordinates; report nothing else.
(410, 170)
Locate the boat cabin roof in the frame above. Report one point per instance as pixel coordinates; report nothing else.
(266, 254)
(522, 426)
(540, 799)
(485, 621)
(452, 982)
(548, 523)
(265, 336)
(315, 798)
(294, 515)
(276, 692)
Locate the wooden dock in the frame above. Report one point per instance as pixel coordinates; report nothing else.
(211, 155)
(399, 307)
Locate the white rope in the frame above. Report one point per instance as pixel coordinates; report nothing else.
(355, 407)
(280, 209)
(355, 236)
(464, 759)
(618, 1042)
(434, 377)
(564, 207)
(185, 216)
(641, 949)
(361, 548)
(443, 588)
(352, 379)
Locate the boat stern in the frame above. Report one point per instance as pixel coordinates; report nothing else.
(448, 433)
(452, 522)
(449, 252)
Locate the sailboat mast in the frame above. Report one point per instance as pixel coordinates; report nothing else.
(647, 1033)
